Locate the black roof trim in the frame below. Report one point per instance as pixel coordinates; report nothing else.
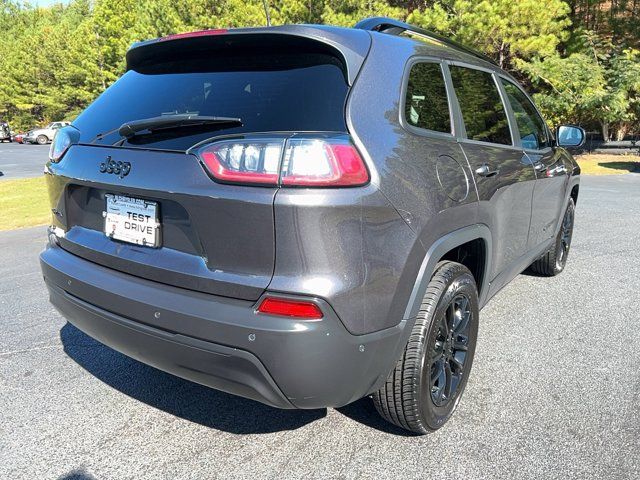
(396, 27)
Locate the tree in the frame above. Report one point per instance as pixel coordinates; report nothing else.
(57, 60)
(504, 29)
(599, 84)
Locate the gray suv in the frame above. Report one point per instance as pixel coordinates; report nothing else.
(306, 215)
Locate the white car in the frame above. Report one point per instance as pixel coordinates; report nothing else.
(44, 135)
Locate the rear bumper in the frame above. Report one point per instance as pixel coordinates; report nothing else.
(220, 342)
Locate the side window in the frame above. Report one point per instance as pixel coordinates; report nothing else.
(483, 113)
(426, 105)
(533, 132)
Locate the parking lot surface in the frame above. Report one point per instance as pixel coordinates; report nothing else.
(21, 161)
(554, 392)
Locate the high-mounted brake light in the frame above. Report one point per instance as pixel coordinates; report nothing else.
(331, 161)
(199, 33)
(290, 308)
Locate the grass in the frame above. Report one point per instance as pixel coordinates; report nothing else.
(607, 164)
(23, 203)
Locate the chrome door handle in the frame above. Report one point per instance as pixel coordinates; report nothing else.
(484, 170)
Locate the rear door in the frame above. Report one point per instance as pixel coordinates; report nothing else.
(504, 176)
(552, 177)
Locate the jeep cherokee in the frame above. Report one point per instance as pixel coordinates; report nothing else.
(306, 215)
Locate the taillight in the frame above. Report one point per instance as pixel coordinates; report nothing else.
(290, 308)
(290, 162)
(63, 139)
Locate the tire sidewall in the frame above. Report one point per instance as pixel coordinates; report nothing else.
(558, 266)
(433, 416)
(39, 140)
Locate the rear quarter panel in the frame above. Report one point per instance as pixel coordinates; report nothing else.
(404, 163)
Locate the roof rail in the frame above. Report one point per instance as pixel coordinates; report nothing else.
(396, 27)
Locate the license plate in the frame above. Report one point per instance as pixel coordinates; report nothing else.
(132, 220)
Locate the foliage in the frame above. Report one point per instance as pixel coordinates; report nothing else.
(599, 85)
(504, 29)
(581, 56)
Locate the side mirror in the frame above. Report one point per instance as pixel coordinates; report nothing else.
(570, 136)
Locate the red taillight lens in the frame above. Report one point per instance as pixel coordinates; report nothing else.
(290, 308)
(323, 163)
(293, 162)
(254, 161)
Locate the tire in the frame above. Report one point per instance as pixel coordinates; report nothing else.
(42, 140)
(412, 397)
(555, 259)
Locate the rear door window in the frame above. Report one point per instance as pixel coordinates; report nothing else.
(533, 131)
(483, 113)
(426, 103)
(275, 92)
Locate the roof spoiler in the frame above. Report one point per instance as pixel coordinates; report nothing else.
(396, 27)
(349, 45)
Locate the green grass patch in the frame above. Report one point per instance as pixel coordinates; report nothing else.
(607, 164)
(23, 203)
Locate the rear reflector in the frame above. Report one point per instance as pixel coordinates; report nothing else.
(290, 308)
(293, 162)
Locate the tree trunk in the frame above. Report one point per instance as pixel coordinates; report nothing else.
(605, 131)
(621, 131)
(502, 55)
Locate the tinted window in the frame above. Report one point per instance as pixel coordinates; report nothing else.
(269, 93)
(426, 104)
(533, 132)
(484, 115)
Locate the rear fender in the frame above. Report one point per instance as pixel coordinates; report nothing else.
(436, 252)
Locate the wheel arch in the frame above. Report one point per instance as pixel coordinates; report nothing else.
(446, 248)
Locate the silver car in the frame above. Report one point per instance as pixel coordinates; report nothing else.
(42, 136)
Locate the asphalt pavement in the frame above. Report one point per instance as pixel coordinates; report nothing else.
(554, 392)
(20, 160)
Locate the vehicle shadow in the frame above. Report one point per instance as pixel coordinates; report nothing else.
(627, 166)
(176, 396)
(363, 411)
(78, 474)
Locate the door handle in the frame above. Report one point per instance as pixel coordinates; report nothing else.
(484, 170)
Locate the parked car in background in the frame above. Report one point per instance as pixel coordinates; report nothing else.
(19, 137)
(309, 234)
(5, 132)
(42, 136)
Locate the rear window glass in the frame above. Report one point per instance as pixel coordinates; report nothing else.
(483, 113)
(268, 93)
(426, 104)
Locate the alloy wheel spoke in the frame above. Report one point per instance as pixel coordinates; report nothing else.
(450, 316)
(460, 343)
(447, 390)
(458, 359)
(437, 372)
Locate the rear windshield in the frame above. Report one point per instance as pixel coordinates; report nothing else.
(267, 92)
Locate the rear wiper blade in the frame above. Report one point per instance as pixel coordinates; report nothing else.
(180, 120)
